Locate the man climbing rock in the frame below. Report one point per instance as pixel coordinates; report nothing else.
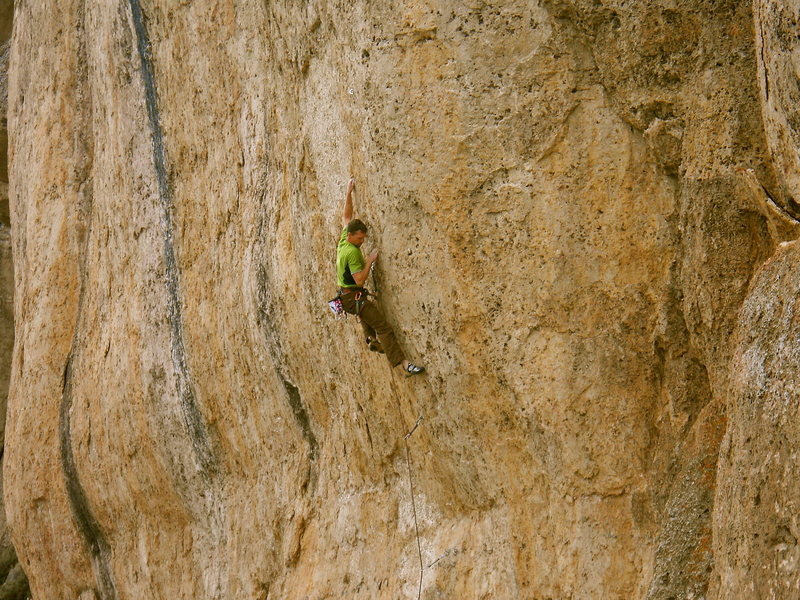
(352, 271)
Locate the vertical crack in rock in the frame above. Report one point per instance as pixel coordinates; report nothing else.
(194, 420)
(274, 348)
(87, 525)
(759, 17)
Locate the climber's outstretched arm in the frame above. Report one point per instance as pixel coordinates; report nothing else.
(347, 216)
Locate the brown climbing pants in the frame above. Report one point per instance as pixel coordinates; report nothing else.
(374, 324)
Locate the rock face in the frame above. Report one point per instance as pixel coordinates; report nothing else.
(571, 200)
(13, 583)
(756, 513)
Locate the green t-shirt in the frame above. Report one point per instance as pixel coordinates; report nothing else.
(349, 260)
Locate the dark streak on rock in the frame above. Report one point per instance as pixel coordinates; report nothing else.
(87, 525)
(761, 18)
(194, 422)
(301, 415)
(292, 392)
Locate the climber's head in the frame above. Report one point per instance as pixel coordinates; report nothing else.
(356, 232)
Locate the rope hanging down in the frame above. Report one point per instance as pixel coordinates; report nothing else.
(414, 503)
(411, 485)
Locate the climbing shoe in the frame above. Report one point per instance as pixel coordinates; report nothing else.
(413, 369)
(374, 346)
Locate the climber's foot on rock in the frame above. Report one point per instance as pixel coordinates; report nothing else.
(412, 369)
(374, 345)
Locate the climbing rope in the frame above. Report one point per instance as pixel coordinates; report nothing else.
(406, 437)
(414, 504)
(411, 484)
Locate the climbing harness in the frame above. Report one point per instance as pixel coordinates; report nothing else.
(337, 306)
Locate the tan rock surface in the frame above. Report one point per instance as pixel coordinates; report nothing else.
(566, 240)
(13, 583)
(779, 80)
(756, 517)
(6, 315)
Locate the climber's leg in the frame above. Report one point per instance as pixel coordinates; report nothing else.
(369, 332)
(352, 306)
(372, 318)
(371, 338)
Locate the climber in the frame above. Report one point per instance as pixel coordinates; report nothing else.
(352, 272)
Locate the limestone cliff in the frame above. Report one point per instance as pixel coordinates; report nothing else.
(571, 200)
(13, 583)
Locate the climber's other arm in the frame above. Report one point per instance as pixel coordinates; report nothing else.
(347, 215)
(361, 277)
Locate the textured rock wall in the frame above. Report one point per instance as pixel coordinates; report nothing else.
(13, 583)
(756, 517)
(6, 264)
(571, 200)
(756, 513)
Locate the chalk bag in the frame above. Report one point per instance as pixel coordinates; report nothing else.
(336, 306)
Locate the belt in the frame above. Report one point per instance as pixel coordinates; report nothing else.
(349, 290)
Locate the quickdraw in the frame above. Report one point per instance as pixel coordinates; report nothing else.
(359, 302)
